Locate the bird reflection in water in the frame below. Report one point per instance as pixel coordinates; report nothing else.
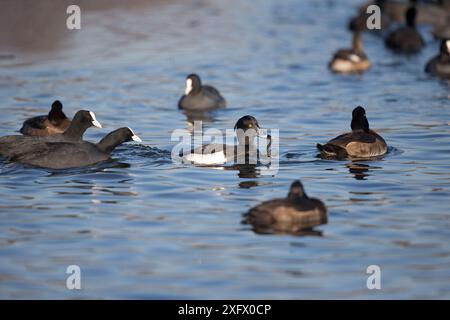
(246, 171)
(193, 116)
(266, 230)
(360, 171)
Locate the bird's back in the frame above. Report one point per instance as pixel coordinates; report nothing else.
(62, 155)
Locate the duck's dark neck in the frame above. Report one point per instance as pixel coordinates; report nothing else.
(360, 123)
(411, 18)
(111, 141)
(357, 42)
(298, 194)
(247, 140)
(56, 116)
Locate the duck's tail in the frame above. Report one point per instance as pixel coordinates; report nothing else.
(330, 150)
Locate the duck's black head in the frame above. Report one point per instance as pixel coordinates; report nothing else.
(445, 47)
(359, 119)
(357, 41)
(56, 114)
(247, 122)
(296, 191)
(193, 84)
(250, 129)
(410, 16)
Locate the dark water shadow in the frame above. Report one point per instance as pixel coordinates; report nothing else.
(292, 230)
(98, 167)
(360, 171)
(204, 116)
(245, 170)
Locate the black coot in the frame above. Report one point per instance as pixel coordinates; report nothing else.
(200, 97)
(64, 155)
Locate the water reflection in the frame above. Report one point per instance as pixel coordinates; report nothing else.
(99, 167)
(204, 116)
(249, 171)
(248, 184)
(360, 171)
(285, 229)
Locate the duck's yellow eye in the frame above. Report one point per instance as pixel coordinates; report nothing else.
(250, 125)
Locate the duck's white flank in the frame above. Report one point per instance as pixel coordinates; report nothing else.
(342, 65)
(355, 58)
(211, 158)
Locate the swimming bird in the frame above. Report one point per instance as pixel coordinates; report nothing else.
(246, 151)
(440, 65)
(200, 97)
(292, 214)
(55, 122)
(351, 60)
(361, 142)
(430, 12)
(13, 145)
(66, 154)
(406, 39)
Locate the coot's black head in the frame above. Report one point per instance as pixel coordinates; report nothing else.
(193, 84)
(82, 121)
(445, 47)
(359, 119)
(125, 134)
(410, 16)
(296, 190)
(85, 118)
(117, 137)
(56, 114)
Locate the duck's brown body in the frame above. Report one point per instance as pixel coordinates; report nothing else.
(43, 127)
(295, 213)
(357, 144)
(361, 142)
(282, 214)
(406, 39)
(352, 60)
